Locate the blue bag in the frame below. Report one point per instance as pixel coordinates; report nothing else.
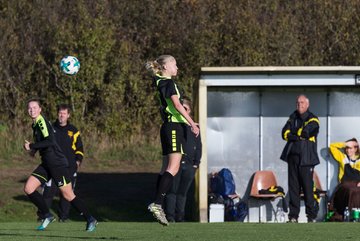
(223, 183)
(241, 210)
(235, 212)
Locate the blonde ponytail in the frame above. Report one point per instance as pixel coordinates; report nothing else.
(155, 67)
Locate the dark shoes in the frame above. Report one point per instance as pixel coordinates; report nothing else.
(91, 224)
(292, 220)
(171, 219)
(311, 220)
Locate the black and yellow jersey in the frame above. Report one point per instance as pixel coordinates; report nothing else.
(69, 140)
(166, 88)
(45, 143)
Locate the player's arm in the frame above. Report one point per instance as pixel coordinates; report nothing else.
(198, 152)
(336, 150)
(78, 148)
(287, 134)
(48, 138)
(311, 129)
(180, 108)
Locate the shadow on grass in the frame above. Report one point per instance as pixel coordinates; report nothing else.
(113, 196)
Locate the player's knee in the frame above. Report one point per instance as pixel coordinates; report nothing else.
(28, 189)
(173, 171)
(69, 197)
(67, 194)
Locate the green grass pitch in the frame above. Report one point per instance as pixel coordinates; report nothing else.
(182, 231)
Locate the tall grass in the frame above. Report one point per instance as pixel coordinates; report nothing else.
(11, 142)
(104, 157)
(102, 150)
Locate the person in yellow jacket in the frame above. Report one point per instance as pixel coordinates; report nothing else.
(347, 192)
(346, 153)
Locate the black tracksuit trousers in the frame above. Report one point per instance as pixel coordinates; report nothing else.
(300, 178)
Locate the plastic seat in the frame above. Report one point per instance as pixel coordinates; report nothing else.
(318, 186)
(263, 180)
(321, 192)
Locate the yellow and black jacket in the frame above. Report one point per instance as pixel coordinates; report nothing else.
(301, 132)
(69, 140)
(192, 148)
(337, 151)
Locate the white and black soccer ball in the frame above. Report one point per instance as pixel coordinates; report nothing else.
(69, 65)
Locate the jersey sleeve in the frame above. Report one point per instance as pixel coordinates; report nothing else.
(311, 129)
(78, 146)
(79, 152)
(169, 89)
(286, 130)
(339, 156)
(335, 150)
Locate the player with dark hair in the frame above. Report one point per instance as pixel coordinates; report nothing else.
(177, 195)
(54, 165)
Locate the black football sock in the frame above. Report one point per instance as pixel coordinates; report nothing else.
(37, 199)
(158, 182)
(164, 186)
(79, 205)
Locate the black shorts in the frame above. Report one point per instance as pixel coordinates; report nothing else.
(172, 137)
(60, 175)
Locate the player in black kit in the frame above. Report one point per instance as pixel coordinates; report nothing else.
(68, 138)
(53, 165)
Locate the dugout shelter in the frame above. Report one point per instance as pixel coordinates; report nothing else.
(243, 109)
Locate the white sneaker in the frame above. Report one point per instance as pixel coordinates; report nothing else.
(46, 222)
(158, 213)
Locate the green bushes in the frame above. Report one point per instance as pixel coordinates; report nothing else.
(112, 94)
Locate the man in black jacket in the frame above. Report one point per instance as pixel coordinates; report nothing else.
(176, 197)
(300, 152)
(68, 138)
